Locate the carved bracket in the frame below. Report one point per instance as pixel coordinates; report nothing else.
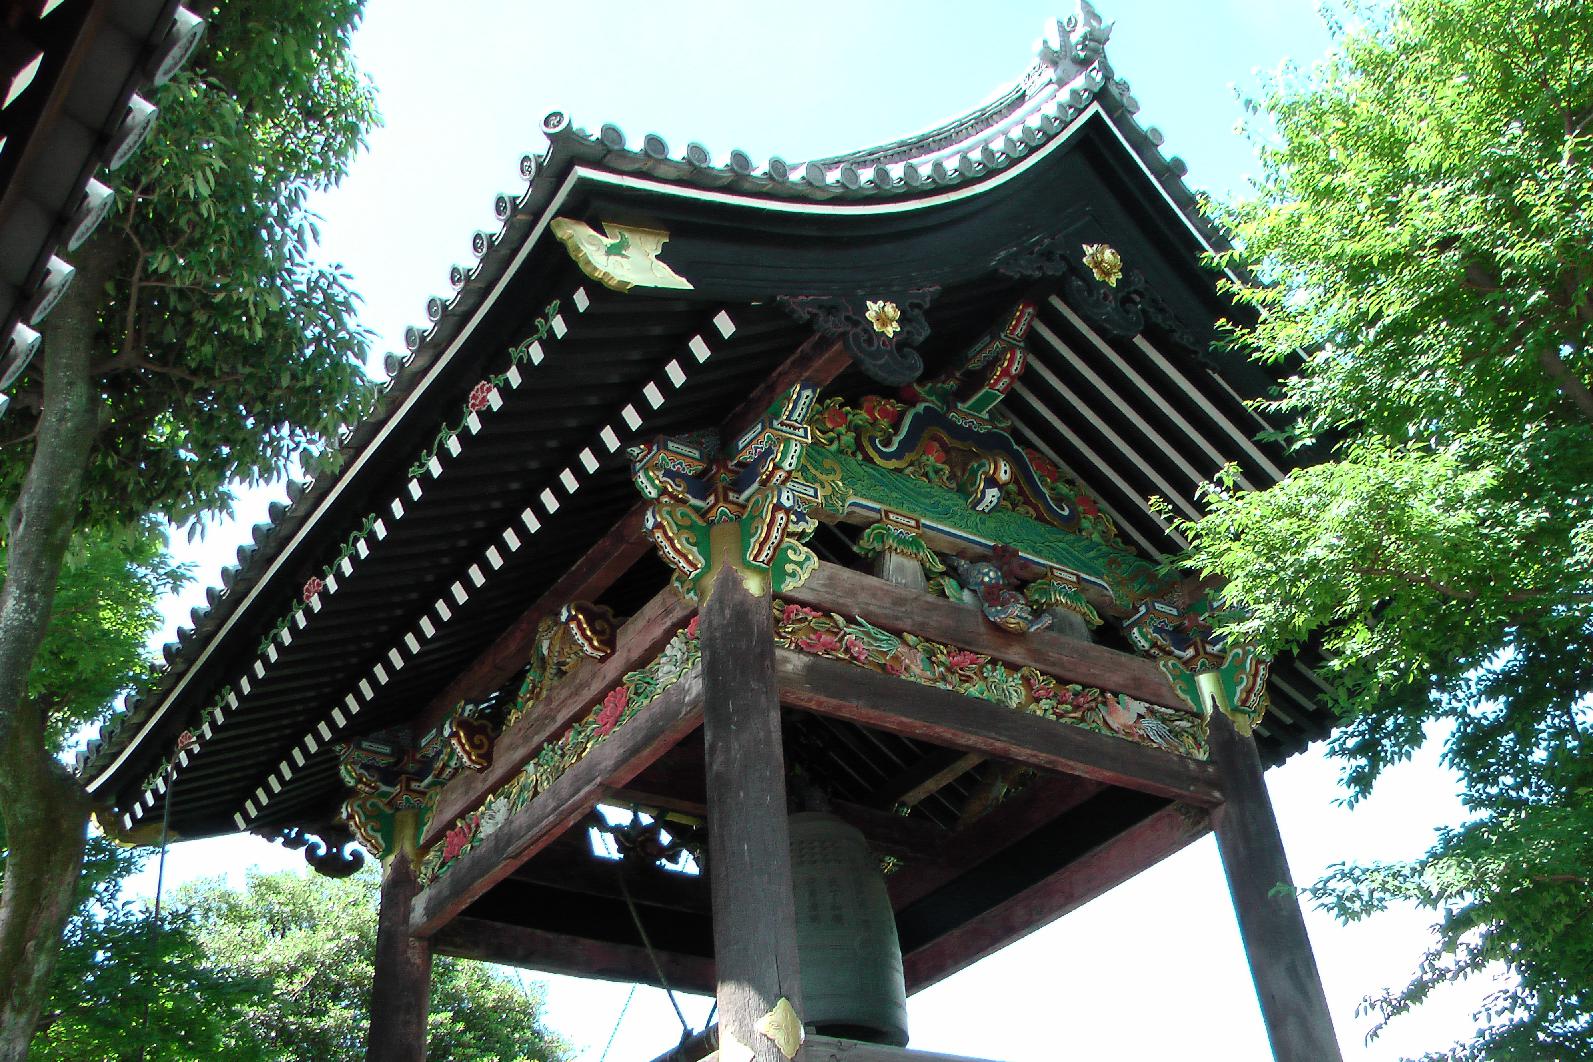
(328, 849)
(879, 333)
(577, 631)
(1199, 662)
(393, 781)
(1097, 284)
(738, 509)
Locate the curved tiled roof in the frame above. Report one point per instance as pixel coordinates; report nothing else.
(1070, 82)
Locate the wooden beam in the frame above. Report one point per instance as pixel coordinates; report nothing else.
(671, 716)
(834, 1049)
(549, 952)
(749, 842)
(913, 783)
(401, 976)
(609, 558)
(817, 361)
(1293, 1005)
(1045, 799)
(1075, 884)
(642, 636)
(957, 721)
(895, 608)
(566, 867)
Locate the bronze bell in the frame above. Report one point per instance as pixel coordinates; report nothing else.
(852, 980)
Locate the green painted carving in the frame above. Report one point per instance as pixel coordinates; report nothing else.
(902, 541)
(1202, 665)
(736, 510)
(617, 707)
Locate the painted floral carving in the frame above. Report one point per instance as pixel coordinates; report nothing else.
(312, 586)
(619, 706)
(480, 396)
(1026, 689)
(1106, 265)
(885, 316)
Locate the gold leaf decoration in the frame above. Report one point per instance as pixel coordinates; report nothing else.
(1104, 262)
(783, 1027)
(885, 316)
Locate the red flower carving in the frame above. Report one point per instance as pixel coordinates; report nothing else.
(614, 706)
(1087, 505)
(835, 418)
(1042, 467)
(1042, 689)
(962, 659)
(691, 628)
(857, 650)
(480, 395)
(312, 587)
(935, 452)
(881, 409)
(820, 643)
(454, 841)
(793, 613)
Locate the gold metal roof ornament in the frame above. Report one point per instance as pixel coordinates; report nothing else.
(621, 257)
(1104, 262)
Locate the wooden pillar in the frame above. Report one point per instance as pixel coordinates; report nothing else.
(1293, 1005)
(749, 846)
(401, 985)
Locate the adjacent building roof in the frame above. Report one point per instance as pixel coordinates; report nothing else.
(70, 113)
(453, 506)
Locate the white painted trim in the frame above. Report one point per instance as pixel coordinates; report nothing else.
(1125, 450)
(348, 476)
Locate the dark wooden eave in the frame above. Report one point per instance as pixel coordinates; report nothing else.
(1132, 416)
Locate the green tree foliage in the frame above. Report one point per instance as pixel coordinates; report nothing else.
(279, 972)
(222, 349)
(1423, 237)
(124, 989)
(200, 345)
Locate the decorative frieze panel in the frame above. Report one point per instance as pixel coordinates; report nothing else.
(1026, 689)
(618, 706)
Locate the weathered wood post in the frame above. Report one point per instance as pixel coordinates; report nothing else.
(1293, 1004)
(749, 847)
(401, 979)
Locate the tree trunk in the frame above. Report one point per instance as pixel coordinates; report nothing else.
(43, 807)
(45, 812)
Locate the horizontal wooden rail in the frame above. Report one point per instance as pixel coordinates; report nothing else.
(548, 952)
(1102, 868)
(636, 643)
(672, 715)
(958, 721)
(897, 609)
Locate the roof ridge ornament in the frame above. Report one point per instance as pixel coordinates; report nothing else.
(1080, 44)
(621, 257)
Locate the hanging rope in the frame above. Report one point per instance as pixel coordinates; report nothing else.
(636, 917)
(604, 1056)
(185, 741)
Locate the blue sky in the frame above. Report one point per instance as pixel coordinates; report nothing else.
(1154, 970)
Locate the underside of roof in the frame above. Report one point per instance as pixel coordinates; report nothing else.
(70, 74)
(497, 458)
